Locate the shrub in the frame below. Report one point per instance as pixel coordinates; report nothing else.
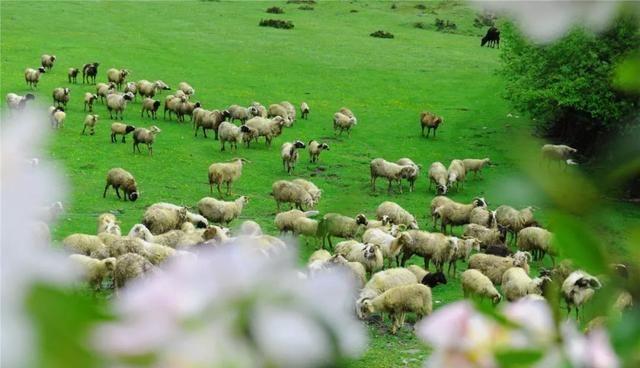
(381, 34)
(420, 25)
(393, 6)
(305, 7)
(443, 25)
(421, 7)
(276, 23)
(485, 19)
(353, 11)
(275, 10)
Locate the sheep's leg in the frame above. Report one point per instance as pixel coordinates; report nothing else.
(389, 188)
(405, 257)
(228, 188)
(219, 191)
(222, 148)
(373, 183)
(85, 127)
(117, 192)
(150, 148)
(426, 263)
(104, 195)
(123, 138)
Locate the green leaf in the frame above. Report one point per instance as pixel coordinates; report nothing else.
(574, 239)
(518, 358)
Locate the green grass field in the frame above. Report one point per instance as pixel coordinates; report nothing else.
(327, 60)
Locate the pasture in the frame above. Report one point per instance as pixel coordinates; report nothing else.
(327, 60)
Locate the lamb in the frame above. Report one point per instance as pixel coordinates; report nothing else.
(311, 188)
(122, 179)
(279, 110)
(349, 113)
(61, 96)
(104, 220)
(430, 121)
(578, 288)
(146, 136)
(369, 255)
(120, 129)
(288, 192)
(284, 220)
(382, 281)
(118, 102)
(342, 122)
(455, 213)
(17, 102)
(57, 117)
(396, 214)
(130, 266)
(172, 104)
(475, 165)
(400, 300)
(514, 220)
(462, 253)
(89, 72)
(162, 217)
(289, 155)
(229, 132)
(438, 176)
(390, 245)
(150, 106)
(476, 283)
(516, 284)
(304, 110)
(557, 152)
(456, 174)
(482, 216)
(94, 270)
(186, 88)
(433, 279)
(210, 120)
(103, 90)
(484, 235)
(537, 241)
(334, 224)
(72, 74)
(117, 76)
(90, 121)
(392, 171)
(47, 61)
(494, 266)
(267, 128)
(436, 246)
(221, 212)
(186, 108)
(225, 173)
(89, 99)
(243, 114)
(414, 176)
(32, 76)
(315, 148)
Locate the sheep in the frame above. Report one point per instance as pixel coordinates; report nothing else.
(494, 266)
(72, 75)
(243, 114)
(348, 113)
(279, 110)
(455, 213)
(267, 128)
(400, 300)
(462, 253)
(225, 173)
(433, 279)
(369, 255)
(456, 174)
(291, 111)
(289, 155)
(319, 255)
(89, 72)
(122, 179)
(303, 225)
(172, 104)
(557, 152)
(538, 241)
(17, 102)
(94, 270)
(148, 89)
(304, 110)
(475, 165)
(438, 176)
(390, 245)
(484, 235)
(498, 250)
(117, 76)
(382, 281)
(90, 121)
(104, 220)
(130, 266)
(221, 211)
(342, 122)
(514, 220)
(436, 203)
(288, 192)
(482, 216)
(311, 188)
(32, 76)
(47, 61)
(396, 214)
(57, 117)
(251, 134)
(150, 106)
(50, 212)
(315, 148)
(334, 224)
(229, 132)
(250, 227)
(118, 102)
(476, 283)
(384, 223)
(414, 176)
(103, 90)
(89, 99)
(162, 217)
(61, 96)
(120, 129)
(436, 246)
(578, 288)
(88, 245)
(210, 120)
(430, 121)
(393, 172)
(186, 88)
(131, 87)
(260, 109)
(186, 108)
(284, 220)
(146, 136)
(516, 284)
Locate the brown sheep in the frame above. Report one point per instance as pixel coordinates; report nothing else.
(120, 178)
(430, 121)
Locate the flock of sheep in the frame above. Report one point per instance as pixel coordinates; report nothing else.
(374, 251)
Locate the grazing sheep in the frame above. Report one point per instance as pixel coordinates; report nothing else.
(476, 283)
(414, 176)
(369, 255)
(104, 220)
(349, 113)
(436, 246)
(90, 121)
(172, 104)
(334, 224)
(94, 270)
(396, 214)
(516, 284)
(261, 110)
(32, 76)
(400, 300)
(315, 148)
(148, 89)
(291, 111)
(162, 217)
(267, 128)
(475, 165)
(221, 212)
(494, 266)
(120, 178)
(390, 245)
(89, 72)
(289, 155)
(103, 90)
(120, 129)
(72, 74)
(537, 241)
(89, 99)
(117, 76)
(433, 279)
(577, 289)
(88, 245)
(482, 216)
(210, 120)
(418, 271)
(498, 250)
(342, 122)
(150, 106)
(430, 121)
(281, 111)
(118, 102)
(186, 88)
(131, 87)
(146, 136)
(288, 192)
(17, 102)
(438, 176)
(456, 174)
(186, 108)
(61, 96)
(225, 173)
(484, 235)
(455, 214)
(304, 110)
(462, 253)
(57, 117)
(382, 281)
(514, 220)
(47, 61)
(393, 172)
(303, 225)
(229, 132)
(130, 266)
(557, 152)
(284, 220)
(243, 114)
(311, 188)
(384, 223)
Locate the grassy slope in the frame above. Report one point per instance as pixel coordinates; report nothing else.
(328, 60)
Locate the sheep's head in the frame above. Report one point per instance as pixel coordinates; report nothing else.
(413, 225)
(244, 200)
(432, 279)
(364, 308)
(588, 282)
(124, 73)
(361, 219)
(385, 220)
(113, 228)
(128, 96)
(520, 258)
(154, 129)
(324, 146)
(133, 196)
(42, 69)
(29, 96)
(129, 129)
(369, 251)
(496, 299)
(109, 263)
(245, 129)
(442, 189)
(299, 144)
(480, 202)
(66, 91)
(112, 86)
(408, 171)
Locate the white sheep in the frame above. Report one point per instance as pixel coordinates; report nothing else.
(89, 100)
(578, 288)
(349, 113)
(514, 220)
(436, 246)
(382, 281)
(17, 102)
(437, 202)
(557, 152)
(94, 270)
(463, 251)
(120, 129)
(305, 226)
(146, 136)
(456, 174)
(229, 132)
(494, 266)
(281, 111)
(162, 217)
(267, 128)
(369, 255)
(47, 61)
(483, 216)
(396, 214)
(103, 90)
(516, 284)
(58, 117)
(222, 212)
(284, 220)
(315, 148)
(131, 87)
(206, 119)
(88, 245)
(389, 170)
(291, 111)
(90, 121)
(343, 122)
(476, 283)
(186, 88)
(484, 235)
(104, 220)
(243, 114)
(390, 245)
(118, 102)
(334, 224)
(455, 214)
(225, 173)
(304, 110)
(32, 76)
(117, 76)
(289, 155)
(72, 75)
(284, 191)
(400, 300)
(414, 176)
(537, 241)
(438, 176)
(311, 188)
(130, 266)
(475, 165)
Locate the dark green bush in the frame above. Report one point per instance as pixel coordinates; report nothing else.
(305, 7)
(276, 23)
(381, 34)
(275, 10)
(443, 25)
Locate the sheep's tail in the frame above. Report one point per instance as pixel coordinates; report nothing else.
(311, 213)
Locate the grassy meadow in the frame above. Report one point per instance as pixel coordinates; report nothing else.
(327, 60)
